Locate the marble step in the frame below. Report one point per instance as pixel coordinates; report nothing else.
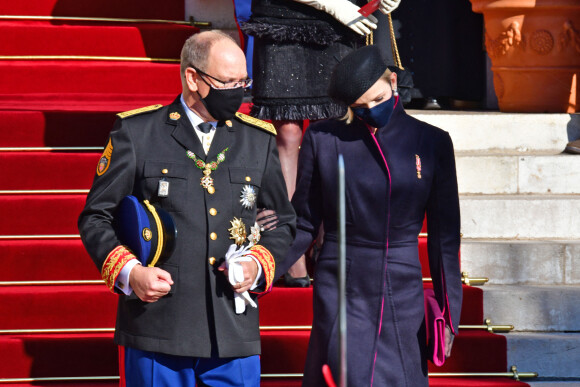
(220, 14)
(551, 355)
(504, 132)
(520, 216)
(518, 262)
(518, 174)
(534, 308)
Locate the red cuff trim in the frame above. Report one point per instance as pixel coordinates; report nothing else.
(116, 260)
(268, 265)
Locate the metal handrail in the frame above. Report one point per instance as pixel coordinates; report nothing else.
(191, 22)
(488, 327)
(514, 374)
(88, 57)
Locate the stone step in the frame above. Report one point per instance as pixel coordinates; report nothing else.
(539, 308)
(520, 216)
(518, 174)
(513, 132)
(551, 355)
(518, 262)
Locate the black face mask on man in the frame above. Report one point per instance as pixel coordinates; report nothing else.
(222, 104)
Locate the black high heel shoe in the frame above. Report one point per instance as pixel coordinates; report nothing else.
(300, 282)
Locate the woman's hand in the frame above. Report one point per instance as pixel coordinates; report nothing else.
(267, 219)
(448, 341)
(345, 12)
(388, 6)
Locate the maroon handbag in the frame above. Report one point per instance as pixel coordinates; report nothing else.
(435, 329)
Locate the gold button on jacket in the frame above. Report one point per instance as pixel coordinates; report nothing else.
(213, 236)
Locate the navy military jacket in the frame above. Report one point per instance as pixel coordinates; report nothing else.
(385, 207)
(197, 318)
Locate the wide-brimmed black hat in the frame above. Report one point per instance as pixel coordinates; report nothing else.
(147, 230)
(356, 73)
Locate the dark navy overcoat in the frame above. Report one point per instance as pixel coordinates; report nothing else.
(393, 178)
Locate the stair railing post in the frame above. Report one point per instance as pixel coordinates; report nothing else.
(342, 272)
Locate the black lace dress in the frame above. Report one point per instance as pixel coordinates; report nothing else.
(295, 49)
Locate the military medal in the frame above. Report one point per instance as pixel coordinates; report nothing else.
(207, 168)
(418, 165)
(163, 188)
(248, 196)
(237, 231)
(255, 235)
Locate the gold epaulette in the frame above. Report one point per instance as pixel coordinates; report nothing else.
(256, 122)
(139, 111)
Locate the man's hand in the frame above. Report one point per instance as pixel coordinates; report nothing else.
(250, 272)
(150, 283)
(448, 341)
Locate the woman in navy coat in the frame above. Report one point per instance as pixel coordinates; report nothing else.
(397, 169)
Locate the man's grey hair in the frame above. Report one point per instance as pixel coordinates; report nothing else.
(196, 49)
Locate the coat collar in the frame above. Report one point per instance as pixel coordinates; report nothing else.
(398, 113)
(183, 131)
(224, 138)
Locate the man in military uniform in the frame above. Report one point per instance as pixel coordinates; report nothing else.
(210, 168)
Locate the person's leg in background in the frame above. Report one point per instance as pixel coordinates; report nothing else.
(288, 140)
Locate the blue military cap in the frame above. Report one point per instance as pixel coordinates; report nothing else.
(147, 230)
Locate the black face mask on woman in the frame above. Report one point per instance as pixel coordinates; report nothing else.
(377, 116)
(222, 104)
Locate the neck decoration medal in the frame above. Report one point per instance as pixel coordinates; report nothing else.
(207, 180)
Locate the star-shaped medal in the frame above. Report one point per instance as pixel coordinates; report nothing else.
(237, 231)
(248, 196)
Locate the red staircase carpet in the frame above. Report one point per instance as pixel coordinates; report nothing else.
(55, 115)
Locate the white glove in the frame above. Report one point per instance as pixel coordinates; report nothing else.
(345, 12)
(388, 6)
(234, 258)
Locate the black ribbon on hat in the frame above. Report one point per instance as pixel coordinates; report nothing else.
(205, 127)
